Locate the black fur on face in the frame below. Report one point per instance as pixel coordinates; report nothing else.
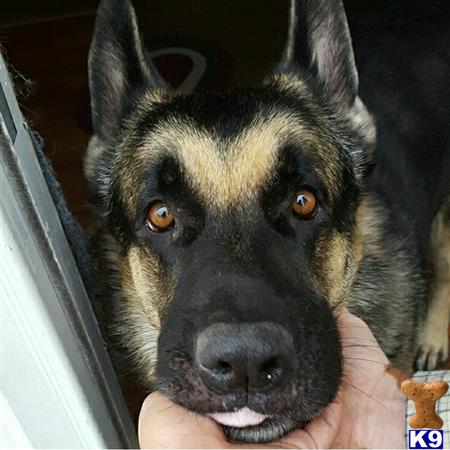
(248, 265)
(240, 290)
(250, 262)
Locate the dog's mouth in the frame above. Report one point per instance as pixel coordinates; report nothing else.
(247, 426)
(248, 378)
(245, 417)
(242, 418)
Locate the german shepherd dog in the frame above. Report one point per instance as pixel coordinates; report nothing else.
(233, 226)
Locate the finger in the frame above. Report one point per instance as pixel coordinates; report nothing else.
(352, 326)
(326, 427)
(163, 424)
(357, 339)
(320, 433)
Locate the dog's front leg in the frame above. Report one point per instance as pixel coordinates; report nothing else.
(433, 344)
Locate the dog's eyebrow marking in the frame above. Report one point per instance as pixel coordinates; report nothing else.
(226, 172)
(223, 171)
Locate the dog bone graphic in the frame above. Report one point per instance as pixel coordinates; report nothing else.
(425, 395)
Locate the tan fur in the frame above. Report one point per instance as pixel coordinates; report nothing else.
(146, 289)
(289, 83)
(144, 280)
(226, 173)
(93, 152)
(434, 339)
(147, 281)
(141, 341)
(340, 258)
(368, 221)
(331, 254)
(154, 97)
(358, 239)
(358, 117)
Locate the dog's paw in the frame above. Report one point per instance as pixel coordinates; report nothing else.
(433, 348)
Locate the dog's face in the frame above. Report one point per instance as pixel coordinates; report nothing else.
(233, 221)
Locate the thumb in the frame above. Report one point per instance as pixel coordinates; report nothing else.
(164, 424)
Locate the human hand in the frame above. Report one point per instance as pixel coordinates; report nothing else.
(368, 412)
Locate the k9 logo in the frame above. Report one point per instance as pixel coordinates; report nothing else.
(426, 439)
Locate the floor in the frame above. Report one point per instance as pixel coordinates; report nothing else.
(52, 53)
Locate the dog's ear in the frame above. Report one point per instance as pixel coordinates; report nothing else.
(119, 71)
(319, 42)
(119, 67)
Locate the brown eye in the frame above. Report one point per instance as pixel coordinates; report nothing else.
(305, 203)
(160, 217)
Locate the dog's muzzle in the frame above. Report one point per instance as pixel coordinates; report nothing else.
(244, 357)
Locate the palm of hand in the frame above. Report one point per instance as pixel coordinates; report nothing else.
(369, 410)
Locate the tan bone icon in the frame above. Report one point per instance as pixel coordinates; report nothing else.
(425, 395)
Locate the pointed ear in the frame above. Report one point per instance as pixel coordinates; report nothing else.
(118, 66)
(319, 42)
(119, 70)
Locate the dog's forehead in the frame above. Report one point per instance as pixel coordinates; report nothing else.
(228, 165)
(223, 169)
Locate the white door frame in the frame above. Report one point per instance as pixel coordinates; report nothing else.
(58, 386)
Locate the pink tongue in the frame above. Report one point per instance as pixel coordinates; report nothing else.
(244, 417)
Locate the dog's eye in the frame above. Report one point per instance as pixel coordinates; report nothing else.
(160, 217)
(304, 204)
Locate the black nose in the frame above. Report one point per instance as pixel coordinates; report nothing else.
(234, 357)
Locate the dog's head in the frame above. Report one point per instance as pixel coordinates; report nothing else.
(232, 216)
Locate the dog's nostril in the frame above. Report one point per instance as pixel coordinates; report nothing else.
(271, 369)
(221, 375)
(224, 368)
(266, 373)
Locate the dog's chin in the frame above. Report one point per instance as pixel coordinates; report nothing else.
(246, 425)
(270, 429)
